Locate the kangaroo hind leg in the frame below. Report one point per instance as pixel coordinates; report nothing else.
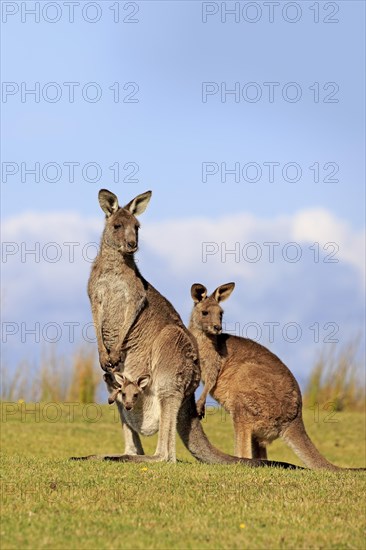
(243, 440)
(133, 445)
(258, 449)
(169, 408)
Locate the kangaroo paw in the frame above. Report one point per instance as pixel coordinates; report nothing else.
(201, 409)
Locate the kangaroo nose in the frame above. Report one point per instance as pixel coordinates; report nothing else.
(131, 245)
(128, 407)
(217, 328)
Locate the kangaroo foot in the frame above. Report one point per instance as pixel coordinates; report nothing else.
(89, 457)
(122, 458)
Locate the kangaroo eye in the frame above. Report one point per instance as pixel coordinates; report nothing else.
(123, 394)
(135, 394)
(204, 313)
(117, 226)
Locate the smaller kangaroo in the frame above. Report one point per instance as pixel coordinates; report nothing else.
(127, 391)
(251, 383)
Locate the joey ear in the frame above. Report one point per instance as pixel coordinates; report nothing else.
(223, 292)
(120, 378)
(138, 205)
(198, 292)
(108, 202)
(143, 381)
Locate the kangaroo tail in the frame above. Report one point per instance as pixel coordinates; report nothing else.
(299, 441)
(194, 438)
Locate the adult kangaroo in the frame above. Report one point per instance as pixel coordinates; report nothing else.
(251, 383)
(139, 332)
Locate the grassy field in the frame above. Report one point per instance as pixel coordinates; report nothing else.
(50, 502)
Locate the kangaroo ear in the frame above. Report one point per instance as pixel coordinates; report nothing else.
(143, 381)
(198, 292)
(120, 378)
(138, 205)
(108, 202)
(223, 292)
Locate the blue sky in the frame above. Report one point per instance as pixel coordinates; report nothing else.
(167, 136)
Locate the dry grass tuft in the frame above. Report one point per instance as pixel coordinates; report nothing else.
(85, 378)
(56, 380)
(338, 377)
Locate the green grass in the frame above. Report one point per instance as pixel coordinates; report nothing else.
(50, 502)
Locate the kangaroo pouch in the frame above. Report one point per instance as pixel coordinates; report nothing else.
(145, 418)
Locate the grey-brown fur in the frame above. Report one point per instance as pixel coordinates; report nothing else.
(139, 331)
(250, 382)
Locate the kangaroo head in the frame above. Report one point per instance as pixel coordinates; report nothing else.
(121, 224)
(130, 391)
(207, 313)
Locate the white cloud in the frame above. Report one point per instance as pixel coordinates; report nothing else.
(319, 225)
(53, 226)
(183, 243)
(176, 246)
(46, 259)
